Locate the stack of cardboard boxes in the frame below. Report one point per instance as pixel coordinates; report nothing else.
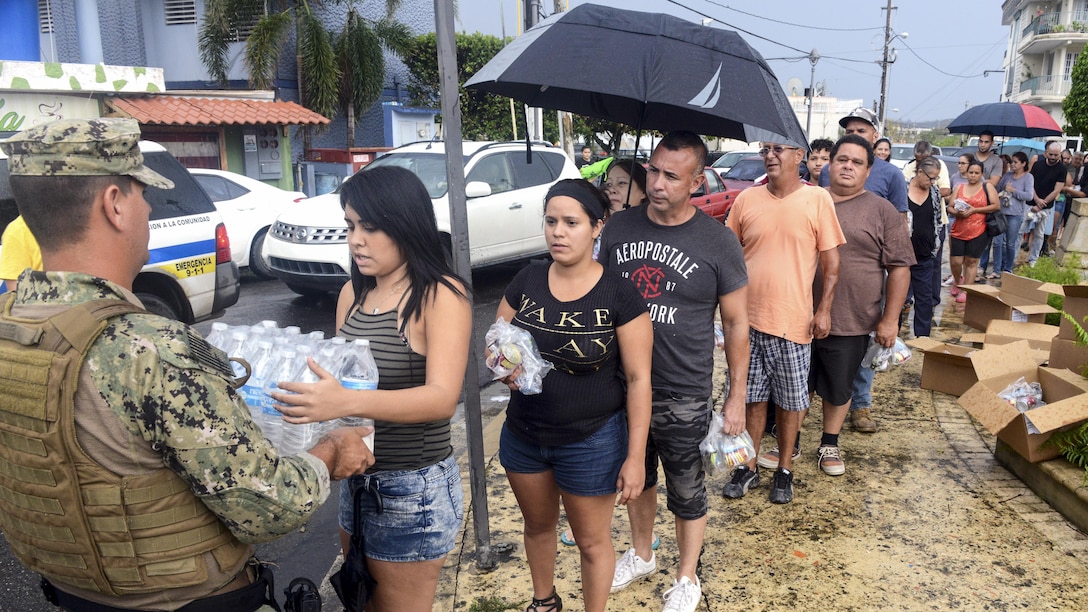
(1015, 344)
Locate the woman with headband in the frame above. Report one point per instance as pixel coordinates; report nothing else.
(582, 439)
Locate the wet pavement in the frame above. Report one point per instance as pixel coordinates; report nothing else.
(924, 518)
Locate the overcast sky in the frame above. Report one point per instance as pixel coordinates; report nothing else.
(959, 39)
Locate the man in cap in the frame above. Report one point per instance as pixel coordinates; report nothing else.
(786, 228)
(135, 477)
(886, 181)
(687, 267)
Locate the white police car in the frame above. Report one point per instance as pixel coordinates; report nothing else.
(190, 275)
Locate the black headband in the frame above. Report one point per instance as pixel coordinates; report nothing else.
(585, 197)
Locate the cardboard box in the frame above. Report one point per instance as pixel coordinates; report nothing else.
(1065, 394)
(1075, 303)
(947, 367)
(1037, 335)
(1018, 299)
(1065, 354)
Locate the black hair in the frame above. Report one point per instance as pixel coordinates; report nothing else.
(592, 201)
(634, 170)
(684, 139)
(1023, 157)
(394, 200)
(855, 139)
(57, 208)
(976, 163)
(821, 144)
(987, 133)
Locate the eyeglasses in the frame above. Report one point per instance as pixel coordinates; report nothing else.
(778, 150)
(932, 178)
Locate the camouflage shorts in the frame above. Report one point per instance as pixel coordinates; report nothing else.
(677, 426)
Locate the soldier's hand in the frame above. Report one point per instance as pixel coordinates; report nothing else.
(344, 452)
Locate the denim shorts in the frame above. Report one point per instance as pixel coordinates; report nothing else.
(412, 515)
(588, 468)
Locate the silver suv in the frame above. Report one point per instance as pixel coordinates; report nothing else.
(306, 247)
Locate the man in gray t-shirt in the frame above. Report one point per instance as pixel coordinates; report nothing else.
(686, 266)
(991, 161)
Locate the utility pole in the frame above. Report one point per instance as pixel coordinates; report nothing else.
(536, 124)
(813, 57)
(566, 121)
(884, 63)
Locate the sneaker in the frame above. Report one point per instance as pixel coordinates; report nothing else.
(830, 461)
(630, 568)
(769, 459)
(684, 596)
(743, 479)
(782, 486)
(862, 421)
(947, 281)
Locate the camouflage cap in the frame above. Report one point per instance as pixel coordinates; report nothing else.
(81, 147)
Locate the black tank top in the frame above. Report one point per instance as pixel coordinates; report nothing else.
(398, 446)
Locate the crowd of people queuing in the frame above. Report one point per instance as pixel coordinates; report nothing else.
(803, 277)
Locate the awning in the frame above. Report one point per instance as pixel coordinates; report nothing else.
(189, 111)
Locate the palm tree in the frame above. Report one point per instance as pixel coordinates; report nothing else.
(344, 71)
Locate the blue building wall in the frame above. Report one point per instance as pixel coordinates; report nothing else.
(20, 31)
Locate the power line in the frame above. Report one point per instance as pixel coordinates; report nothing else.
(796, 25)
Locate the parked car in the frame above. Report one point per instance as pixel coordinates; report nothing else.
(307, 248)
(714, 198)
(728, 160)
(901, 154)
(190, 275)
(744, 173)
(249, 208)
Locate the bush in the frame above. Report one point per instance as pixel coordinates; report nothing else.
(1048, 271)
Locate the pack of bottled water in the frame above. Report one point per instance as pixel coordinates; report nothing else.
(278, 354)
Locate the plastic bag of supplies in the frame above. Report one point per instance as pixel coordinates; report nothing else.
(511, 349)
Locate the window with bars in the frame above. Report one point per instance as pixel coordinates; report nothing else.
(1070, 59)
(45, 16)
(179, 12)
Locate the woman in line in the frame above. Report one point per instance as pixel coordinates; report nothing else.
(583, 437)
(622, 191)
(883, 149)
(1016, 189)
(924, 200)
(413, 308)
(971, 201)
(955, 180)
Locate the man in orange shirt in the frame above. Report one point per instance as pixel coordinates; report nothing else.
(785, 227)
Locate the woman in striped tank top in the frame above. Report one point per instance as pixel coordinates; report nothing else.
(405, 298)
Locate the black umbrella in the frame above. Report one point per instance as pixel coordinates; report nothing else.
(647, 70)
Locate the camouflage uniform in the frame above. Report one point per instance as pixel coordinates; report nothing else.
(152, 393)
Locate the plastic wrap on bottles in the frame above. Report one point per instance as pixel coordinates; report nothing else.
(881, 358)
(722, 452)
(511, 349)
(1024, 396)
(719, 336)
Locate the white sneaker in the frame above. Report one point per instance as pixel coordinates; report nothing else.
(630, 568)
(684, 596)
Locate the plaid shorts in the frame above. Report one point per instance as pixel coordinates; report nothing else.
(778, 370)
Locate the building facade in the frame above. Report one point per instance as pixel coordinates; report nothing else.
(1045, 39)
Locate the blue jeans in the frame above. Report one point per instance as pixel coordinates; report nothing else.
(937, 265)
(1006, 245)
(921, 287)
(863, 387)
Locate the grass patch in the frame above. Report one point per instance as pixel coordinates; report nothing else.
(1048, 271)
(492, 604)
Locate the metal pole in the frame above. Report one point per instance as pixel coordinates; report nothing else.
(884, 62)
(813, 57)
(455, 172)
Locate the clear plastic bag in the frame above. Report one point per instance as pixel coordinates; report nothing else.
(1023, 395)
(722, 452)
(880, 358)
(512, 349)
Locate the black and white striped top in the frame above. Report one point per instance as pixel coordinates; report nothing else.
(398, 446)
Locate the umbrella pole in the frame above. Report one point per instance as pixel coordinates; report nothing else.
(631, 168)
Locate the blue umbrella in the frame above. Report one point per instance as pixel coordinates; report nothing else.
(1025, 143)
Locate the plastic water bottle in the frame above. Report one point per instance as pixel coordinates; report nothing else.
(236, 349)
(299, 437)
(271, 421)
(253, 391)
(361, 373)
(219, 337)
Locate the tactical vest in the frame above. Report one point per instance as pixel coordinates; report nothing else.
(68, 517)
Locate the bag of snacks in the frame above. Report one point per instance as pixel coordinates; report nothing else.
(511, 349)
(722, 452)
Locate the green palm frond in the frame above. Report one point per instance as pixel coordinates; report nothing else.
(263, 48)
(220, 22)
(363, 65)
(395, 36)
(318, 64)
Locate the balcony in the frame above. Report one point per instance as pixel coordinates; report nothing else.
(1043, 89)
(1049, 31)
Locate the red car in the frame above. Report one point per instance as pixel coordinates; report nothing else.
(714, 198)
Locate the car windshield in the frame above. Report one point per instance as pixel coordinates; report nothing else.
(429, 167)
(746, 170)
(902, 152)
(730, 159)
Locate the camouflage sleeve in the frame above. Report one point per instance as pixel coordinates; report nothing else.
(164, 382)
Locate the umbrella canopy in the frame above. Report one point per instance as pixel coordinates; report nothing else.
(1006, 119)
(647, 70)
